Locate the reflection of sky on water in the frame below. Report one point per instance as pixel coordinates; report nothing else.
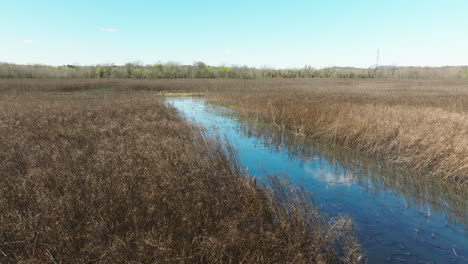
(391, 228)
(325, 175)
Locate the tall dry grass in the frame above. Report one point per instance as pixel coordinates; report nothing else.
(114, 176)
(421, 124)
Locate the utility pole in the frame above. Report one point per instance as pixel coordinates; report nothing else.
(376, 63)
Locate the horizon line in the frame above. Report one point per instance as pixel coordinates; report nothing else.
(141, 64)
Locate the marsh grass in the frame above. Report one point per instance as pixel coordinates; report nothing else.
(420, 124)
(118, 177)
(182, 94)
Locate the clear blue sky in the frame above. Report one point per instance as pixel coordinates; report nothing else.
(259, 33)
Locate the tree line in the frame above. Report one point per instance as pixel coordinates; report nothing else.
(202, 70)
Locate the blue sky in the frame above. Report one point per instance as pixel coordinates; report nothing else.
(259, 33)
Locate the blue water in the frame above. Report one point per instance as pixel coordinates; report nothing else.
(397, 218)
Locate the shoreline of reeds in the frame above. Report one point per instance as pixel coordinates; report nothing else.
(422, 127)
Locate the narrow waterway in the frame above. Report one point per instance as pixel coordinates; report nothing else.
(399, 217)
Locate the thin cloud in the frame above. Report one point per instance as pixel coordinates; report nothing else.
(111, 30)
(27, 41)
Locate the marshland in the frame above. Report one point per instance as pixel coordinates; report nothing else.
(226, 170)
(98, 175)
(243, 131)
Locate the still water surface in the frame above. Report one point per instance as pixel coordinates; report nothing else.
(399, 217)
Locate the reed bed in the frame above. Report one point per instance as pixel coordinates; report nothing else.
(103, 172)
(422, 125)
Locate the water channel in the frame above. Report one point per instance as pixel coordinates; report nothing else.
(399, 217)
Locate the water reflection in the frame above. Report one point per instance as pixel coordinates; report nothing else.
(400, 218)
(370, 173)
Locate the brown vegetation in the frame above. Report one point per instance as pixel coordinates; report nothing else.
(422, 124)
(96, 172)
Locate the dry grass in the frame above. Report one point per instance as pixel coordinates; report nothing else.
(112, 177)
(422, 124)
